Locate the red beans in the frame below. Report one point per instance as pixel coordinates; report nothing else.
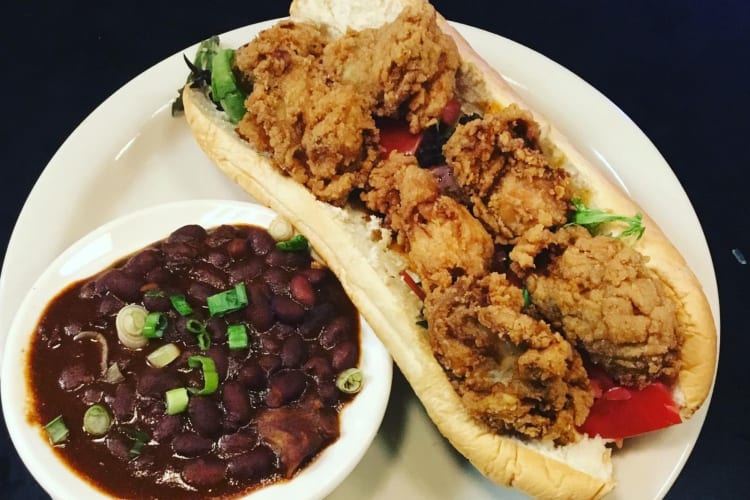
(302, 331)
(285, 387)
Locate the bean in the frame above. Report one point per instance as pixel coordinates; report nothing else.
(293, 352)
(286, 309)
(221, 235)
(301, 290)
(345, 355)
(260, 241)
(288, 260)
(252, 376)
(334, 332)
(178, 253)
(157, 303)
(204, 472)
(157, 275)
(260, 315)
(190, 444)
(199, 292)
(188, 233)
(155, 382)
(205, 416)
(246, 270)
(123, 403)
(319, 367)
(217, 258)
(270, 343)
(315, 319)
(116, 282)
(236, 402)
(217, 328)
(117, 446)
(234, 444)
(315, 275)
(204, 272)
(142, 262)
(328, 392)
(269, 363)
(221, 360)
(253, 464)
(109, 305)
(167, 427)
(238, 247)
(277, 280)
(284, 387)
(74, 376)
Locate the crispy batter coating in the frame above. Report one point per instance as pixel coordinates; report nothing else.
(314, 100)
(441, 238)
(498, 164)
(409, 64)
(511, 371)
(598, 290)
(321, 133)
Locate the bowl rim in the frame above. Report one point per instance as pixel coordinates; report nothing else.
(360, 419)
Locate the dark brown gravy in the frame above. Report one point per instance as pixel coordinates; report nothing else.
(277, 403)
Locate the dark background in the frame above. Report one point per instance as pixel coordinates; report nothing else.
(678, 68)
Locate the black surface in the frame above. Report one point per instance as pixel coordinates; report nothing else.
(678, 68)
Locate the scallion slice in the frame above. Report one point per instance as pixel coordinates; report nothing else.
(198, 328)
(295, 244)
(210, 377)
(164, 355)
(228, 301)
(57, 431)
(97, 420)
(177, 400)
(129, 324)
(350, 381)
(237, 336)
(154, 293)
(155, 325)
(180, 304)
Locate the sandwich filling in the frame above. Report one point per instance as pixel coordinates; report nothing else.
(521, 302)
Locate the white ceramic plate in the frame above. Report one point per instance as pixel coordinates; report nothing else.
(146, 157)
(97, 250)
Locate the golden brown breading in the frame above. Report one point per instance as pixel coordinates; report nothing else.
(409, 64)
(322, 135)
(511, 371)
(441, 238)
(498, 164)
(599, 292)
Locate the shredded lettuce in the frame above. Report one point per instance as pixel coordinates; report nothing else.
(593, 219)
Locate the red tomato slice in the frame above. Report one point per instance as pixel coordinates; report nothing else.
(451, 112)
(621, 413)
(395, 136)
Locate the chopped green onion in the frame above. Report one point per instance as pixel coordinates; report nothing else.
(591, 219)
(164, 355)
(154, 293)
(237, 336)
(129, 324)
(228, 301)
(57, 431)
(350, 381)
(155, 325)
(97, 420)
(198, 328)
(295, 244)
(139, 439)
(113, 375)
(210, 377)
(180, 305)
(177, 400)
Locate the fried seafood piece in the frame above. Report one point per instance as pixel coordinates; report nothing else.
(510, 370)
(408, 65)
(441, 238)
(321, 133)
(499, 165)
(599, 292)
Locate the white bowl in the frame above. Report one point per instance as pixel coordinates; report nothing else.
(360, 419)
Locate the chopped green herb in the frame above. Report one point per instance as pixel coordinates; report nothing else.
(138, 440)
(592, 219)
(164, 355)
(210, 377)
(526, 297)
(97, 420)
(198, 328)
(237, 336)
(154, 293)
(57, 431)
(296, 243)
(177, 400)
(180, 305)
(228, 301)
(350, 381)
(155, 325)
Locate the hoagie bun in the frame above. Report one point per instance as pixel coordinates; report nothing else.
(357, 247)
